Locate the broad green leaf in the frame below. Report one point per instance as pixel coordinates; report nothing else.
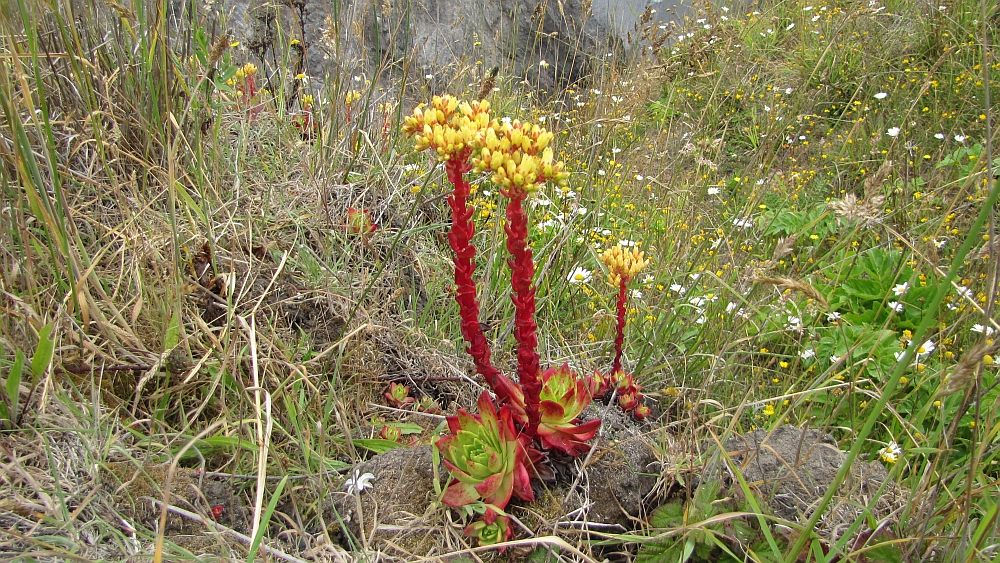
(172, 337)
(14, 383)
(670, 515)
(377, 445)
(43, 354)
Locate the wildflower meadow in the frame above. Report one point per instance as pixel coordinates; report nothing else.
(728, 293)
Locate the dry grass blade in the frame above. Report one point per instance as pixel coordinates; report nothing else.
(796, 285)
(964, 373)
(268, 550)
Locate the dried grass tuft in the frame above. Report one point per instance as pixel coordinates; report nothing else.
(796, 285)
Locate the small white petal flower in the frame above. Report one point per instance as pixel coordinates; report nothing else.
(960, 138)
(939, 136)
(359, 482)
(807, 353)
(730, 307)
(891, 452)
(881, 96)
(964, 292)
(893, 132)
(579, 275)
(743, 223)
(678, 288)
(925, 349)
(982, 329)
(834, 316)
(896, 306)
(713, 191)
(626, 242)
(901, 288)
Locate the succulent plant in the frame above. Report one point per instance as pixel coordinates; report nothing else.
(563, 398)
(491, 529)
(399, 395)
(486, 457)
(359, 222)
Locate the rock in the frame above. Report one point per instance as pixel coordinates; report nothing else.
(791, 469)
(620, 477)
(429, 40)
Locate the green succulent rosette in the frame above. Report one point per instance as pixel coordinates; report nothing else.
(486, 457)
(563, 398)
(491, 529)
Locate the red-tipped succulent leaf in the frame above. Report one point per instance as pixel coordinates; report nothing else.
(486, 457)
(562, 399)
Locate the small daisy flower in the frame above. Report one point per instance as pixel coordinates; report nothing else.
(926, 348)
(834, 316)
(893, 132)
(580, 275)
(891, 452)
(896, 306)
(900, 289)
(881, 96)
(807, 353)
(960, 138)
(678, 288)
(983, 329)
(713, 191)
(743, 223)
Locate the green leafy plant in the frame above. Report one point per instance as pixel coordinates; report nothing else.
(11, 411)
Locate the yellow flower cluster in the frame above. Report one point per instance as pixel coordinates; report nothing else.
(352, 97)
(623, 263)
(519, 156)
(242, 73)
(246, 71)
(447, 126)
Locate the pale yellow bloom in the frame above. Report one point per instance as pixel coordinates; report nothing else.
(519, 156)
(352, 97)
(623, 263)
(447, 126)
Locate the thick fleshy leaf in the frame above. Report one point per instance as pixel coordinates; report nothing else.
(522, 483)
(460, 494)
(569, 439)
(485, 456)
(551, 410)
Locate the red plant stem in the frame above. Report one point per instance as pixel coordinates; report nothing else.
(523, 295)
(460, 238)
(620, 335)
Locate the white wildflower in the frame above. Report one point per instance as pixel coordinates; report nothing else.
(359, 482)
(580, 275)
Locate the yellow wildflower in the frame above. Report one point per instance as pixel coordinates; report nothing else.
(623, 263)
(519, 155)
(447, 126)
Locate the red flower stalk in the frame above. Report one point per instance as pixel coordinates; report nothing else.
(616, 366)
(460, 238)
(523, 295)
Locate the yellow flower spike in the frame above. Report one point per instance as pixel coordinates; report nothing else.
(623, 263)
